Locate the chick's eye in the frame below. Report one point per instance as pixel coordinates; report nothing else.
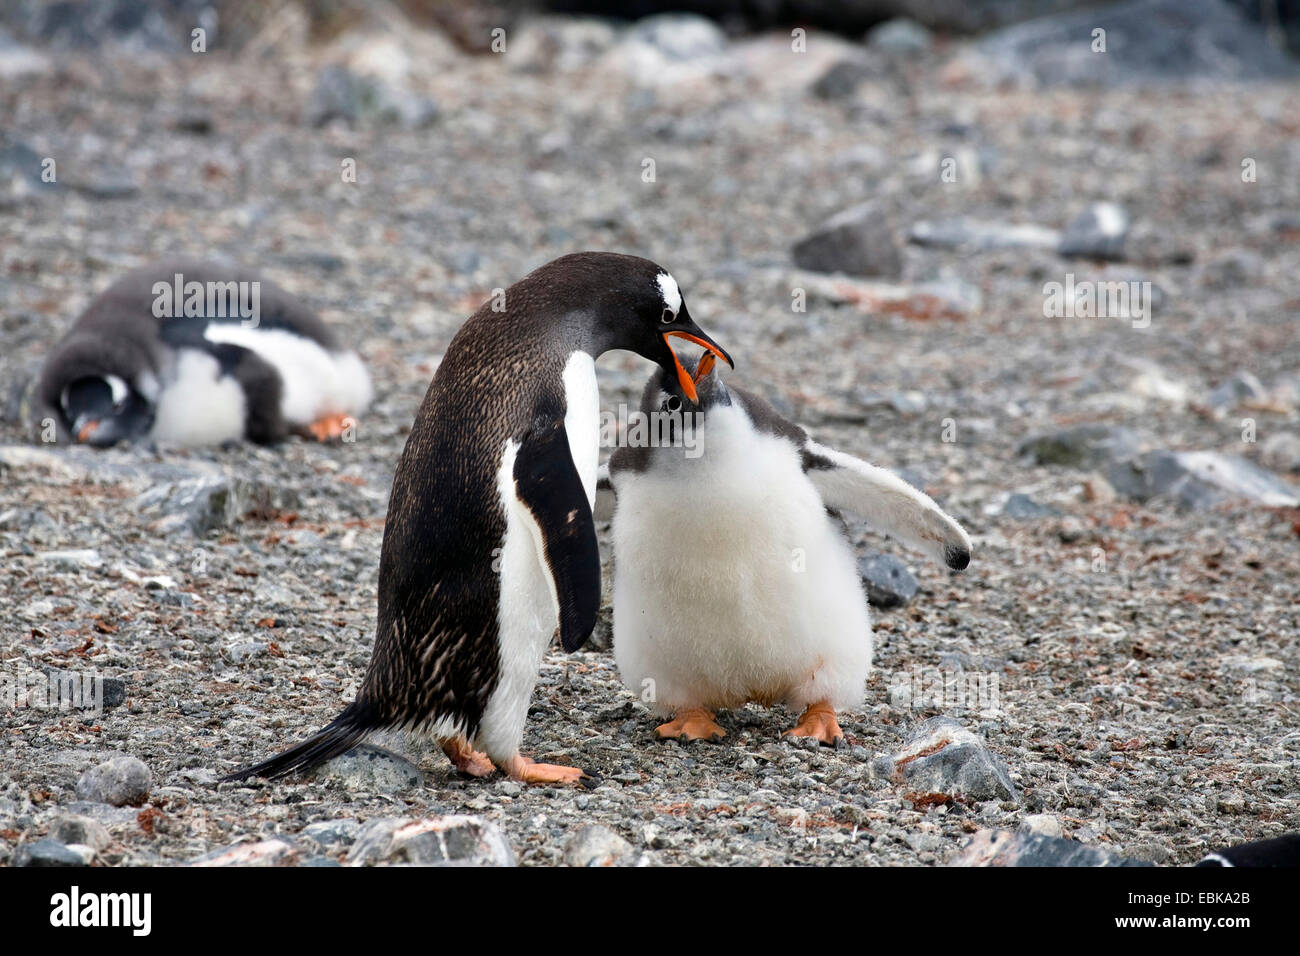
(674, 404)
(667, 316)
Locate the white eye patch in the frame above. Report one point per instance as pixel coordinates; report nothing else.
(672, 295)
(118, 388)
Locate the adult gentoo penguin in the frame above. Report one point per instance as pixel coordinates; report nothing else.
(490, 541)
(199, 352)
(732, 583)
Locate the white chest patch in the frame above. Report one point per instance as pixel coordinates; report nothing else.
(198, 405)
(316, 382)
(582, 418)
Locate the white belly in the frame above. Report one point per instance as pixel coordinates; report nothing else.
(528, 612)
(731, 584)
(316, 382)
(198, 405)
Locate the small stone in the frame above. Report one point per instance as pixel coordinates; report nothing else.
(1081, 446)
(1043, 824)
(856, 242)
(942, 756)
(888, 581)
(1020, 505)
(1281, 451)
(1233, 269)
(900, 37)
(1241, 387)
(333, 832)
(1070, 530)
(48, 852)
(1003, 848)
(598, 846)
(1096, 233)
(96, 694)
(275, 852)
(436, 841)
(678, 37)
(83, 830)
(982, 236)
(842, 80)
(120, 781)
(73, 560)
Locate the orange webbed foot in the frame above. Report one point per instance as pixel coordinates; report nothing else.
(691, 723)
(329, 427)
(467, 760)
(529, 771)
(818, 721)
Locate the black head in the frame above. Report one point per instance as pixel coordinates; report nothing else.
(103, 409)
(636, 305)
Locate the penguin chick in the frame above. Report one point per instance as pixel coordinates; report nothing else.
(489, 541)
(198, 352)
(732, 583)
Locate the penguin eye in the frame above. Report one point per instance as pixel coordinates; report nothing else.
(674, 404)
(667, 317)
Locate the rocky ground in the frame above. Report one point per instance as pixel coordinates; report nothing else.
(1129, 613)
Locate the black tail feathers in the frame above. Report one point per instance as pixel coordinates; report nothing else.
(342, 734)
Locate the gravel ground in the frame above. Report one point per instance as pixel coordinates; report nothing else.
(1144, 652)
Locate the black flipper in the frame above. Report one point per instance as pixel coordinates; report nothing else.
(547, 483)
(338, 737)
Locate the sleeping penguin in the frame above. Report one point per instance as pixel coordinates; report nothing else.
(197, 352)
(732, 582)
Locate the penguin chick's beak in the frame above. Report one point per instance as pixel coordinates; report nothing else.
(683, 378)
(705, 366)
(85, 431)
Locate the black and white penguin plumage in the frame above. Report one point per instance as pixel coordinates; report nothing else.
(732, 583)
(1279, 851)
(198, 352)
(490, 541)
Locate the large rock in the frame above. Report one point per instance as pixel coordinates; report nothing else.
(1004, 848)
(210, 502)
(368, 767)
(120, 781)
(857, 242)
(1147, 41)
(437, 841)
(1200, 479)
(942, 756)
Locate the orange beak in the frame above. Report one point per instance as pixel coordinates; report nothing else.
(685, 380)
(707, 361)
(87, 430)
